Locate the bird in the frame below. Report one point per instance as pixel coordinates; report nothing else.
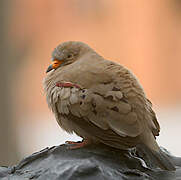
(100, 101)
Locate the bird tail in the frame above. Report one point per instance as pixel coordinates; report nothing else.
(163, 160)
(154, 156)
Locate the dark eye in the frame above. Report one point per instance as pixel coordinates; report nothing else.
(69, 56)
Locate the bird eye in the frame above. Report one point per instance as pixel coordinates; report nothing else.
(69, 56)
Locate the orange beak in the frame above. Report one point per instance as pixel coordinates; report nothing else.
(55, 64)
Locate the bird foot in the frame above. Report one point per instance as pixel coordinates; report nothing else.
(77, 145)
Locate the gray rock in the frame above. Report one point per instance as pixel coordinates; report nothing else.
(94, 162)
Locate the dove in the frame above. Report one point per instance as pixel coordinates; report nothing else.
(100, 101)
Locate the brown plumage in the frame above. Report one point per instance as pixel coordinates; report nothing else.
(100, 100)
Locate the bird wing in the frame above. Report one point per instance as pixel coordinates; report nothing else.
(107, 116)
(108, 109)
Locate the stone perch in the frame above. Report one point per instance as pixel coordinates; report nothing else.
(94, 162)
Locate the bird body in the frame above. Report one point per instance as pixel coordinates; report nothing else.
(100, 100)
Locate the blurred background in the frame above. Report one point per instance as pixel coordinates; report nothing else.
(145, 36)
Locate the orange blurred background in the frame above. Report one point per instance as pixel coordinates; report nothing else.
(145, 36)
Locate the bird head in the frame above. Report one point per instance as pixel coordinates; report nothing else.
(67, 53)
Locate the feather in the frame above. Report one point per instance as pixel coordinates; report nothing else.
(73, 98)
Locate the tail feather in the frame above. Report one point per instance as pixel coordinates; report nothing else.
(155, 158)
(163, 160)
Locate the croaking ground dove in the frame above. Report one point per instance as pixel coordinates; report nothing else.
(101, 101)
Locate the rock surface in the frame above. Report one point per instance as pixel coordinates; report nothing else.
(92, 162)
